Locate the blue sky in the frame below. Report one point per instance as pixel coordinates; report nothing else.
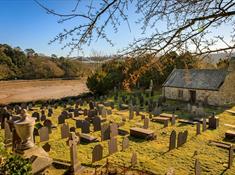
(25, 24)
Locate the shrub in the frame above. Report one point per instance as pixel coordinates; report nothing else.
(16, 165)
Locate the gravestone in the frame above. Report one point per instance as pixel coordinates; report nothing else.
(112, 145)
(146, 123)
(198, 127)
(96, 121)
(91, 105)
(230, 157)
(142, 116)
(72, 142)
(103, 113)
(61, 119)
(113, 130)
(172, 144)
(36, 115)
(97, 153)
(131, 113)
(64, 130)
(79, 123)
(72, 129)
(43, 115)
(43, 134)
(213, 122)
(204, 125)
(180, 139)
(173, 119)
(197, 167)
(133, 159)
(85, 127)
(76, 112)
(7, 133)
(50, 112)
(48, 124)
(105, 132)
(125, 143)
(47, 147)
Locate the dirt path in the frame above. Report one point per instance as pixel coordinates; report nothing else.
(31, 90)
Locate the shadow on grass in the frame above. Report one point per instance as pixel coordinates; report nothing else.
(137, 140)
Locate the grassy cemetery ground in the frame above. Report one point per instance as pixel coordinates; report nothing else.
(153, 156)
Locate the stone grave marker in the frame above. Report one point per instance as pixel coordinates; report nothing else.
(36, 115)
(72, 129)
(230, 157)
(113, 129)
(142, 116)
(50, 112)
(125, 143)
(213, 122)
(96, 121)
(76, 112)
(197, 167)
(204, 125)
(180, 139)
(61, 119)
(185, 136)
(48, 124)
(105, 132)
(79, 123)
(43, 134)
(133, 159)
(7, 133)
(131, 113)
(172, 144)
(173, 119)
(72, 142)
(112, 145)
(146, 123)
(103, 113)
(85, 112)
(91, 105)
(47, 147)
(64, 130)
(198, 127)
(85, 127)
(97, 153)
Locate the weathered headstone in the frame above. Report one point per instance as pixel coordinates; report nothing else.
(96, 123)
(125, 143)
(48, 124)
(64, 130)
(182, 138)
(198, 127)
(113, 130)
(43, 134)
(213, 122)
(131, 113)
(172, 144)
(85, 126)
(97, 153)
(79, 123)
(230, 157)
(204, 125)
(133, 159)
(112, 145)
(7, 133)
(72, 142)
(105, 132)
(197, 167)
(146, 123)
(61, 119)
(173, 119)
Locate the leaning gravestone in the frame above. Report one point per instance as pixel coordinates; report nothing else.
(146, 123)
(48, 124)
(105, 132)
(113, 130)
(180, 139)
(96, 123)
(85, 127)
(197, 167)
(64, 131)
(47, 147)
(72, 142)
(172, 144)
(112, 145)
(43, 134)
(133, 159)
(125, 143)
(97, 153)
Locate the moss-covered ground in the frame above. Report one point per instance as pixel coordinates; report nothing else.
(152, 155)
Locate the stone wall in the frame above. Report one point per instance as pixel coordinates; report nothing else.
(212, 97)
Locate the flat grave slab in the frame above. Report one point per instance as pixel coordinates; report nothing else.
(87, 138)
(142, 133)
(166, 115)
(163, 120)
(191, 122)
(230, 134)
(231, 111)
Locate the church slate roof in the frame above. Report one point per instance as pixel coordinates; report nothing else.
(206, 79)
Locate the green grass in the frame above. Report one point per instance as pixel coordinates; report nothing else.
(152, 155)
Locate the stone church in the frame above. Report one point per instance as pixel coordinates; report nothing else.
(211, 86)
